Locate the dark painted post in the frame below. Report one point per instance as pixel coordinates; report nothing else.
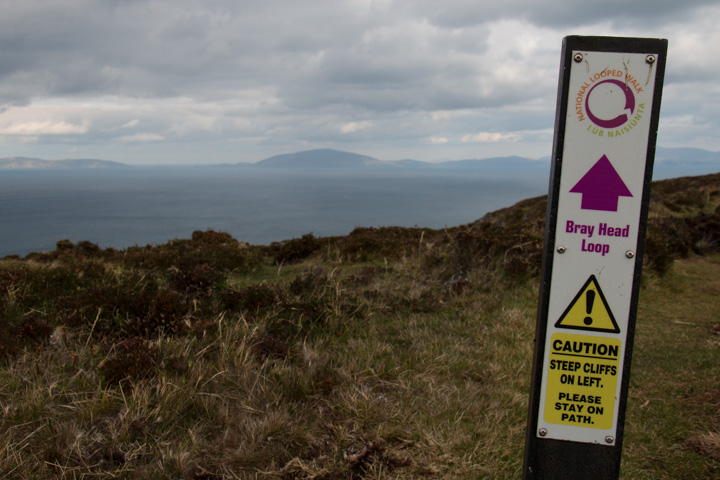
(605, 132)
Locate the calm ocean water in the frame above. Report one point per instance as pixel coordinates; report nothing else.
(144, 205)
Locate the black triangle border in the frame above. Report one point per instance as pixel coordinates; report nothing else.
(590, 280)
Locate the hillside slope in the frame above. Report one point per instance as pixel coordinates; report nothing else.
(389, 353)
(684, 217)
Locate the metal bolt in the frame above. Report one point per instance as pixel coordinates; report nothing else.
(650, 59)
(561, 249)
(542, 432)
(629, 254)
(609, 439)
(578, 57)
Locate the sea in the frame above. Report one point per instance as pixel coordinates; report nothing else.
(123, 207)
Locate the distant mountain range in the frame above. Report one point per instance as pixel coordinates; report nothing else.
(669, 162)
(684, 162)
(321, 158)
(334, 159)
(25, 162)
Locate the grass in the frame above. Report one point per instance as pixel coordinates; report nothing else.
(386, 354)
(675, 382)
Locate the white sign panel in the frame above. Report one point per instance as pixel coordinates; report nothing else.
(596, 239)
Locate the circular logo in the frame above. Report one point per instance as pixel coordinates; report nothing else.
(619, 120)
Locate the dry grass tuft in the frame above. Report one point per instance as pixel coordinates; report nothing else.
(707, 444)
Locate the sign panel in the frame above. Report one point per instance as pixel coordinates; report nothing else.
(605, 132)
(598, 220)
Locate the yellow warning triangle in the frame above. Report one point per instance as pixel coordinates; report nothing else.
(589, 311)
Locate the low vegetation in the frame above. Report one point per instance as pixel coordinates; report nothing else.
(391, 352)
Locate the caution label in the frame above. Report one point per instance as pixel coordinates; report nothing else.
(582, 380)
(589, 310)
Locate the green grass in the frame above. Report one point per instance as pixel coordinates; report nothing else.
(386, 354)
(674, 405)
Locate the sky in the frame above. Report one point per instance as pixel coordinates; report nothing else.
(207, 82)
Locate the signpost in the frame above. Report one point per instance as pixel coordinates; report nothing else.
(605, 131)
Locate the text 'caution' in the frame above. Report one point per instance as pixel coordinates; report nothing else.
(582, 380)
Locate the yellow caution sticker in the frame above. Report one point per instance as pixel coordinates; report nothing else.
(589, 311)
(582, 380)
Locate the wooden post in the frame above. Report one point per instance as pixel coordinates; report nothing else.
(603, 151)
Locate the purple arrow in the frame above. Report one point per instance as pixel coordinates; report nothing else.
(601, 187)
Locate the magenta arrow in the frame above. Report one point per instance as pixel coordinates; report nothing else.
(601, 187)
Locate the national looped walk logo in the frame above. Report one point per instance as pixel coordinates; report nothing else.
(608, 102)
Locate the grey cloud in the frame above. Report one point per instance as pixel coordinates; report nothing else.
(165, 49)
(299, 70)
(559, 13)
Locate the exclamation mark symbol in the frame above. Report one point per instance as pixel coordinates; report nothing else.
(590, 299)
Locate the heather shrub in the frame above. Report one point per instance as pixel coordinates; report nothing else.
(295, 249)
(706, 234)
(312, 281)
(33, 328)
(196, 282)
(252, 298)
(87, 249)
(211, 237)
(64, 246)
(18, 332)
(666, 239)
(166, 314)
(516, 248)
(219, 251)
(129, 360)
(390, 243)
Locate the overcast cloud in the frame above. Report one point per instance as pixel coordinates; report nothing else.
(180, 81)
